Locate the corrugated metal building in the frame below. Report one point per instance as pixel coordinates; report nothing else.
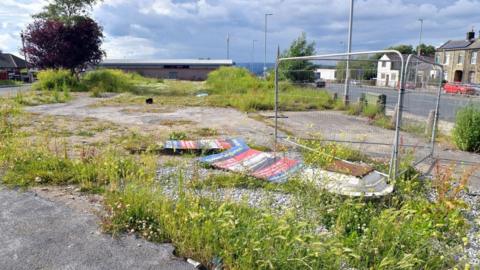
(181, 69)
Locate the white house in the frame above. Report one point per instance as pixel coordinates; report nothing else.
(388, 70)
(327, 74)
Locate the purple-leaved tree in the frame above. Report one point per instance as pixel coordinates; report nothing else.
(57, 44)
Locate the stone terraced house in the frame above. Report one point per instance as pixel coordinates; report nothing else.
(460, 59)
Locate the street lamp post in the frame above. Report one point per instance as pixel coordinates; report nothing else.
(265, 56)
(228, 46)
(253, 55)
(347, 70)
(419, 48)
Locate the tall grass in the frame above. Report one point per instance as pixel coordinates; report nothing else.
(236, 87)
(57, 80)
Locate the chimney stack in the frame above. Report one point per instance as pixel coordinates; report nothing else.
(471, 35)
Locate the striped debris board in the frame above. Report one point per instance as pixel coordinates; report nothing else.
(214, 145)
(255, 163)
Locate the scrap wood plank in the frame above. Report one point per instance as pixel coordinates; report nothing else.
(350, 168)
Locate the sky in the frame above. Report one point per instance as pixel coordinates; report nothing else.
(160, 29)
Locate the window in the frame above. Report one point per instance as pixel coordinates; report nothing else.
(460, 59)
(172, 75)
(447, 59)
(393, 76)
(437, 59)
(445, 75)
(471, 77)
(383, 75)
(384, 64)
(473, 61)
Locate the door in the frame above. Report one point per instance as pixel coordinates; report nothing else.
(387, 80)
(458, 76)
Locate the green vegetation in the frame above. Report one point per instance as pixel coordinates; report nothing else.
(466, 133)
(57, 80)
(236, 87)
(315, 230)
(298, 71)
(10, 83)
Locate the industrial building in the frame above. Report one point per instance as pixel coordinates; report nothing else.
(180, 69)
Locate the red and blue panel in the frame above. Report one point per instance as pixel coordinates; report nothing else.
(255, 163)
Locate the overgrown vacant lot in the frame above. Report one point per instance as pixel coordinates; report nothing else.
(111, 146)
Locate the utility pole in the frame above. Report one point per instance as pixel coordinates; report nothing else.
(228, 46)
(347, 70)
(25, 56)
(265, 56)
(419, 48)
(253, 55)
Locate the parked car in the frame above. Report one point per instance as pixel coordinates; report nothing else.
(458, 88)
(476, 87)
(320, 83)
(356, 83)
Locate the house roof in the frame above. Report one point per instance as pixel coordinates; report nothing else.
(8, 60)
(192, 62)
(456, 44)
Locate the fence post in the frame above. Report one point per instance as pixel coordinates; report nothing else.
(430, 123)
(277, 62)
(394, 161)
(437, 107)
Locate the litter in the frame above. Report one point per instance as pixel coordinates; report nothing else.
(340, 177)
(209, 145)
(242, 159)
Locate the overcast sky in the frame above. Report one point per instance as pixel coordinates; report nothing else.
(144, 29)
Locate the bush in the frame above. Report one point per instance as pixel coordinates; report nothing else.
(466, 133)
(232, 80)
(108, 80)
(236, 87)
(57, 80)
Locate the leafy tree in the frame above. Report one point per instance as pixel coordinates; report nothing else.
(66, 10)
(362, 68)
(426, 50)
(403, 49)
(56, 44)
(299, 71)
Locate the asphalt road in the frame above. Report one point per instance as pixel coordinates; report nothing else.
(40, 234)
(415, 102)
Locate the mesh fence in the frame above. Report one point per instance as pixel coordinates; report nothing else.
(421, 98)
(361, 113)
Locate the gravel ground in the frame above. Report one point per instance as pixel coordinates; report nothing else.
(258, 198)
(473, 248)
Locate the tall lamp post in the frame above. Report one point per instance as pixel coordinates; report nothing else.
(419, 48)
(265, 56)
(253, 55)
(347, 70)
(25, 56)
(228, 46)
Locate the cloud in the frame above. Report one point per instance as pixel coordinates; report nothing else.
(198, 28)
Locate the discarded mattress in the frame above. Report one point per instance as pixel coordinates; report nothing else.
(243, 159)
(209, 145)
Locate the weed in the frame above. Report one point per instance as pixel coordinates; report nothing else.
(177, 135)
(466, 133)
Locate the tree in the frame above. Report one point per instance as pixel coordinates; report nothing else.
(299, 71)
(426, 50)
(403, 49)
(56, 44)
(67, 11)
